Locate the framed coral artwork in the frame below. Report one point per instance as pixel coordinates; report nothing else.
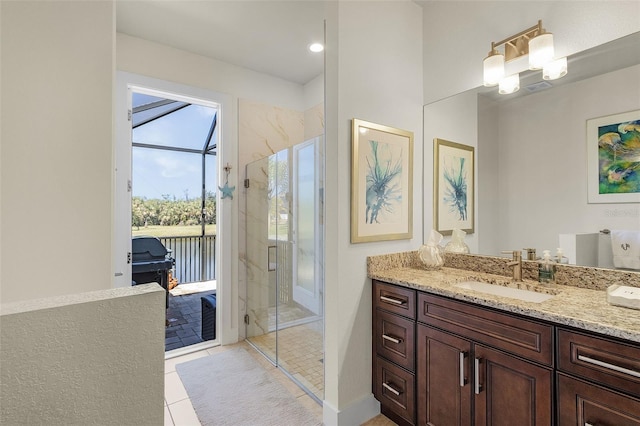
(381, 183)
(453, 187)
(613, 155)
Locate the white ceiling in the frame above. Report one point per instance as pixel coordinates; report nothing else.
(267, 36)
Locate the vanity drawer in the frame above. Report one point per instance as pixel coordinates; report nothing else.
(395, 339)
(395, 389)
(396, 299)
(581, 402)
(609, 362)
(526, 338)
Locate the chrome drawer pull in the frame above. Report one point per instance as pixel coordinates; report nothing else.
(390, 389)
(391, 339)
(478, 387)
(463, 355)
(588, 424)
(392, 300)
(609, 366)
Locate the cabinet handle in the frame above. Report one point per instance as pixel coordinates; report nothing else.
(391, 389)
(609, 366)
(463, 381)
(391, 339)
(588, 424)
(392, 300)
(478, 386)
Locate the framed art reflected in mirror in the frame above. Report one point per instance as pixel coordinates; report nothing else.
(453, 192)
(613, 152)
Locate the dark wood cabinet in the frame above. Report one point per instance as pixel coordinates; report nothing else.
(394, 332)
(598, 380)
(588, 404)
(510, 391)
(462, 381)
(444, 378)
(443, 362)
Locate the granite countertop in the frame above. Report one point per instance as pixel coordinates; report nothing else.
(573, 306)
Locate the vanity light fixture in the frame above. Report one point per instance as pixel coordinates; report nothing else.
(535, 42)
(510, 84)
(316, 47)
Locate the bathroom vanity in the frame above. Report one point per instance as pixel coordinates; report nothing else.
(447, 355)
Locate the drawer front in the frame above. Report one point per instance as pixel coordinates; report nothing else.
(396, 299)
(522, 337)
(395, 389)
(582, 403)
(602, 360)
(395, 339)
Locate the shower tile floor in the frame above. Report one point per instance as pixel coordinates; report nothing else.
(300, 353)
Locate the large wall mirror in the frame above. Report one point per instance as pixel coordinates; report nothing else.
(531, 151)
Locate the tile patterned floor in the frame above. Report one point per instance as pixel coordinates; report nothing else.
(184, 320)
(178, 410)
(300, 353)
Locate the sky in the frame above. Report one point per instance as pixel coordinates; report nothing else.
(177, 174)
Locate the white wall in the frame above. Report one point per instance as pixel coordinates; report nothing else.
(57, 80)
(93, 358)
(458, 35)
(143, 57)
(374, 73)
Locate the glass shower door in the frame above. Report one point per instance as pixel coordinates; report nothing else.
(284, 258)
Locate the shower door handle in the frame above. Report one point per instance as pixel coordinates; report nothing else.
(269, 269)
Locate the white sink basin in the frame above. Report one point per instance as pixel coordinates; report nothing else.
(499, 290)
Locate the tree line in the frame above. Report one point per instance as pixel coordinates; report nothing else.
(170, 211)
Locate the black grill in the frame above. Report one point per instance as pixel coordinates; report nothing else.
(150, 262)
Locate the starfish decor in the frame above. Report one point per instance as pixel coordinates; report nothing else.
(227, 191)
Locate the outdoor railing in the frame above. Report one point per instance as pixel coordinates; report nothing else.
(195, 257)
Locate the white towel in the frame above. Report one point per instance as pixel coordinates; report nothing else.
(626, 249)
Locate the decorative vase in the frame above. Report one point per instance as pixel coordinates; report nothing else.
(457, 244)
(431, 254)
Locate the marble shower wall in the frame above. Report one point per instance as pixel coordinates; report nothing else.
(263, 130)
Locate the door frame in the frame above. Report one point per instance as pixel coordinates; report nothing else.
(226, 210)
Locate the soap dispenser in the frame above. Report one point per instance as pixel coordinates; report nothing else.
(546, 269)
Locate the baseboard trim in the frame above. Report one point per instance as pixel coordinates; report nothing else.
(355, 413)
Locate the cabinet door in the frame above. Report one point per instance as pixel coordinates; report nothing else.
(444, 378)
(510, 391)
(582, 403)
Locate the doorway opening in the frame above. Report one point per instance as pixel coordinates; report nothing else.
(173, 203)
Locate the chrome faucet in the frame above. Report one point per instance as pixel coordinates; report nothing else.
(516, 264)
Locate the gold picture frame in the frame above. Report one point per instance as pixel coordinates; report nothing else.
(453, 187)
(381, 183)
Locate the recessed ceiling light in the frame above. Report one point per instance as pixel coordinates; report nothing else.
(316, 47)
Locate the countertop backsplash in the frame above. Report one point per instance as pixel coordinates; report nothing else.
(570, 275)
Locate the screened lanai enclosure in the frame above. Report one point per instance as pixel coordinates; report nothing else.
(173, 188)
(174, 180)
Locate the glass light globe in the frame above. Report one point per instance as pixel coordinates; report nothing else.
(555, 69)
(509, 84)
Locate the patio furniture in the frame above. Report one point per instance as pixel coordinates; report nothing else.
(150, 262)
(208, 316)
